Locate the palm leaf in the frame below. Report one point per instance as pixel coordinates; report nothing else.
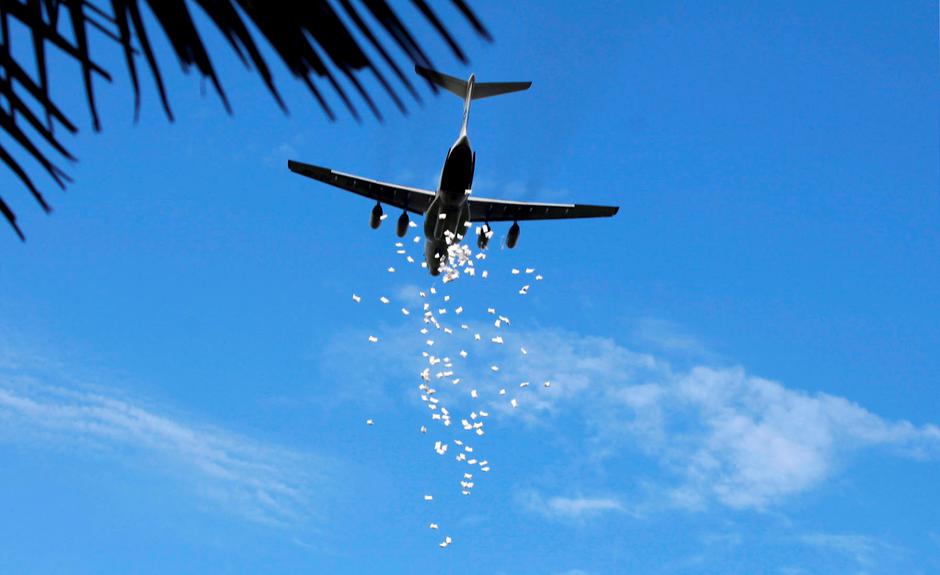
(310, 37)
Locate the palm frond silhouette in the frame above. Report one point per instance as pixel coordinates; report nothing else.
(318, 41)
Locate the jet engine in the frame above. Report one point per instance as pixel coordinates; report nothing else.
(402, 228)
(376, 218)
(513, 237)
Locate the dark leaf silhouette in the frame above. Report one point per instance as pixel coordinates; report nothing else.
(310, 37)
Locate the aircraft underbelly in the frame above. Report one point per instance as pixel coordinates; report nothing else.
(449, 211)
(457, 175)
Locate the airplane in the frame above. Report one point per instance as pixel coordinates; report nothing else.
(452, 209)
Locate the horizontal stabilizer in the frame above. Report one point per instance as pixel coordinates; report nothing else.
(487, 89)
(453, 85)
(480, 89)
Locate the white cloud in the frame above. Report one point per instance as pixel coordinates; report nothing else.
(744, 441)
(407, 294)
(761, 441)
(718, 433)
(43, 407)
(278, 155)
(570, 508)
(669, 337)
(862, 550)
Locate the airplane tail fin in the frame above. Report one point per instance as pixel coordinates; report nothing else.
(469, 89)
(480, 89)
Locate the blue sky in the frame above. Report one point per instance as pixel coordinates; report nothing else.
(743, 360)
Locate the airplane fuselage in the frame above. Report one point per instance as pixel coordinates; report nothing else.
(450, 211)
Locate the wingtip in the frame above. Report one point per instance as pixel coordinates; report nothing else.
(309, 170)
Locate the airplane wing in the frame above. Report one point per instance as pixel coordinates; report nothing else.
(486, 210)
(411, 199)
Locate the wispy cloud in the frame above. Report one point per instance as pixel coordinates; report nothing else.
(278, 155)
(669, 338)
(762, 441)
(732, 437)
(257, 481)
(570, 508)
(408, 294)
(515, 189)
(861, 550)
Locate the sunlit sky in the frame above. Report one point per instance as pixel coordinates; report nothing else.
(743, 360)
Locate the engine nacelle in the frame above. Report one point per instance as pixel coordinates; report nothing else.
(512, 238)
(402, 227)
(376, 218)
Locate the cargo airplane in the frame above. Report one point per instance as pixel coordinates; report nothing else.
(449, 211)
